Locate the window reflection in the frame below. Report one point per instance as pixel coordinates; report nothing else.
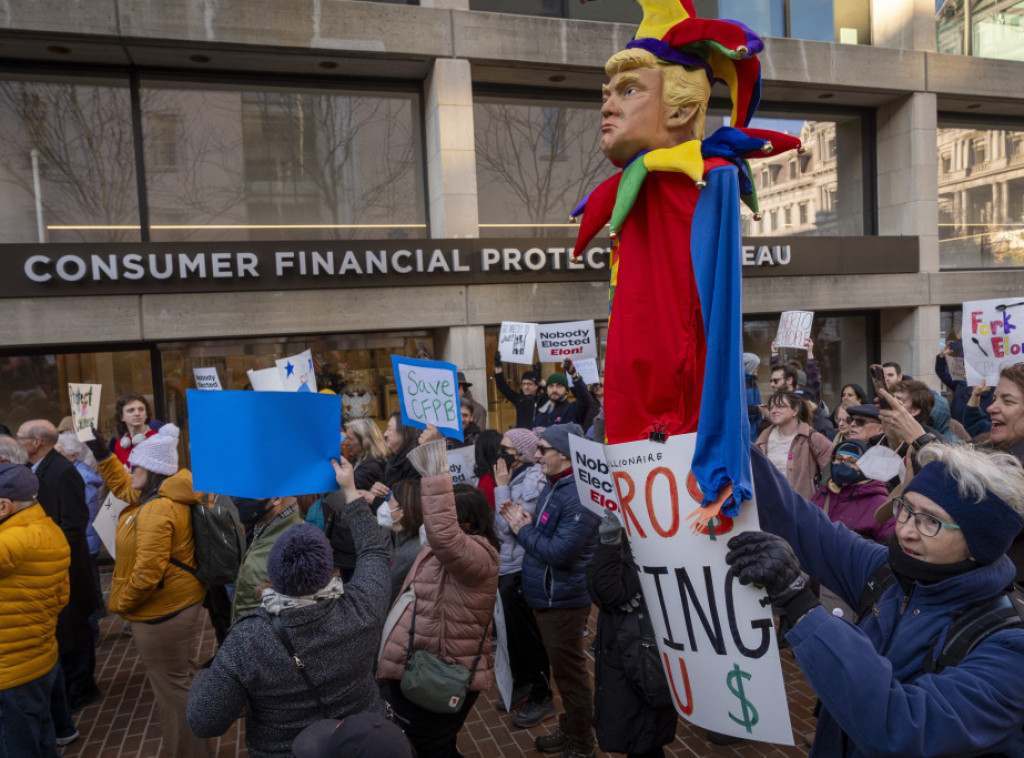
(986, 28)
(232, 163)
(67, 162)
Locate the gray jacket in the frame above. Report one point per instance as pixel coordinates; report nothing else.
(337, 641)
(525, 487)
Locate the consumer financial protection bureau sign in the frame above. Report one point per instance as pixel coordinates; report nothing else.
(164, 267)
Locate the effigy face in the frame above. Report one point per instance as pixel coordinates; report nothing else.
(634, 116)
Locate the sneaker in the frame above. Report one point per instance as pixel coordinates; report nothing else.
(533, 713)
(62, 741)
(572, 750)
(519, 697)
(555, 742)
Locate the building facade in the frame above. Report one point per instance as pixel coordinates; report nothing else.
(194, 183)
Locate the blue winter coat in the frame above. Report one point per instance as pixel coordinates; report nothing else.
(559, 545)
(870, 678)
(93, 482)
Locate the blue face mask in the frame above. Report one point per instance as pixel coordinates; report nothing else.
(844, 473)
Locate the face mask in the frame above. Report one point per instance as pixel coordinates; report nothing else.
(510, 460)
(384, 515)
(844, 473)
(251, 511)
(423, 535)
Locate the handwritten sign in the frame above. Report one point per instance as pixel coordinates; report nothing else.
(206, 378)
(297, 372)
(594, 483)
(570, 339)
(428, 393)
(85, 408)
(588, 370)
(294, 460)
(991, 337)
(461, 461)
(105, 522)
(716, 640)
(794, 329)
(957, 369)
(516, 342)
(265, 379)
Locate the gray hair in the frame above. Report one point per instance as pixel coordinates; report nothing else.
(43, 429)
(69, 444)
(12, 451)
(976, 472)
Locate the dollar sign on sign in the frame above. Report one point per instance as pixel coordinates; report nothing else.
(734, 680)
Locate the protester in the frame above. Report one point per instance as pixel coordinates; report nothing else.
(405, 514)
(793, 447)
(470, 430)
(530, 396)
(751, 364)
(864, 424)
(131, 421)
(269, 519)
(881, 691)
(558, 538)
(368, 451)
(308, 652)
(853, 394)
(961, 392)
(447, 604)
(34, 587)
(596, 406)
(62, 496)
(363, 735)
(485, 453)
(850, 498)
(559, 409)
(400, 440)
(633, 711)
(152, 586)
(792, 381)
(520, 480)
(477, 411)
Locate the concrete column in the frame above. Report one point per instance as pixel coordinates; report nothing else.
(903, 24)
(464, 346)
(908, 202)
(910, 337)
(451, 153)
(849, 168)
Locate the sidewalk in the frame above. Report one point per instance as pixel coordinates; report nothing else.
(124, 722)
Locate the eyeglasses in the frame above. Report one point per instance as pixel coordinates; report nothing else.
(926, 524)
(860, 421)
(844, 420)
(544, 449)
(843, 458)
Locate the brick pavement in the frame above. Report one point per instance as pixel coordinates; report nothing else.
(123, 723)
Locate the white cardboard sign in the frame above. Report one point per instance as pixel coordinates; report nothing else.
(105, 522)
(85, 408)
(569, 339)
(794, 329)
(297, 372)
(992, 337)
(265, 379)
(716, 640)
(594, 483)
(206, 378)
(461, 461)
(588, 370)
(516, 342)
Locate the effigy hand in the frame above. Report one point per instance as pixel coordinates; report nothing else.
(701, 518)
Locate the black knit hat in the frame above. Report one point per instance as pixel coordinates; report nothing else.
(301, 561)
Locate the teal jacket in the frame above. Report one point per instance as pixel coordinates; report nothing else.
(254, 565)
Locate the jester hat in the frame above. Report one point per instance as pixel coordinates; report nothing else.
(725, 50)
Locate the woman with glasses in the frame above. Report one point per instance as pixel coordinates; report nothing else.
(791, 444)
(885, 687)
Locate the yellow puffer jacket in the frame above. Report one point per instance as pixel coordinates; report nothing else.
(146, 585)
(34, 586)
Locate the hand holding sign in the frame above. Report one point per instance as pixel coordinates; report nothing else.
(516, 342)
(85, 408)
(428, 393)
(991, 338)
(794, 329)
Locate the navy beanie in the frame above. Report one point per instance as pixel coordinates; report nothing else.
(989, 525)
(301, 561)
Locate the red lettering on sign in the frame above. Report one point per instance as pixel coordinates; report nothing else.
(624, 500)
(673, 492)
(688, 707)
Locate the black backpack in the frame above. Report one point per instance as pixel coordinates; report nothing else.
(219, 541)
(972, 624)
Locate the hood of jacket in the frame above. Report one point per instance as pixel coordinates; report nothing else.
(178, 487)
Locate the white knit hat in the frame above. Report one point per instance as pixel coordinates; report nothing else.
(158, 453)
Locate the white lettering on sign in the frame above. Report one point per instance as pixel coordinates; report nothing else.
(763, 255)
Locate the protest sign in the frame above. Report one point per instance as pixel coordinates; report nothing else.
(206, 378)
(428, 393)
(297, 372)
(716, 640)
(516, 342)
(956, 368)
(794, 329)
(282, 443)
(502, 665)
(85, 408)
(594, 482)
(265, 379)
(105, 522)
(461, 461)
(570, 339)
(991, 338)
(588, 370)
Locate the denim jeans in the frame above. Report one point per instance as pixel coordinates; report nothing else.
(26, 728)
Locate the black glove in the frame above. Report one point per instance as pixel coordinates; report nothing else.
(567, 367)
(537, 369)
(768, 561)
(497, 359)
(100, 446)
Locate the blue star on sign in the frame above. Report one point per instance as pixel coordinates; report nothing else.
(289, 369)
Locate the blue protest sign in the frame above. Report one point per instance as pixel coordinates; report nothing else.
(263, 444)
(428, 393)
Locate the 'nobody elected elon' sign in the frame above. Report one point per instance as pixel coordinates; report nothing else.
(716, 640)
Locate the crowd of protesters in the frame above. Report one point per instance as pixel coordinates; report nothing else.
(366, 616)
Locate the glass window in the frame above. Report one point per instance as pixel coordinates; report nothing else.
(356, 366)
(36, 386)
(67, 161)
(985, 28)
(766, 17)
(534, 162)
(238, 163)
(981, 198)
